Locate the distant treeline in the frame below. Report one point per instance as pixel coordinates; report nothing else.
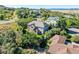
(2, 6)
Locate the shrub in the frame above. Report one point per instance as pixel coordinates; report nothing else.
(28, 51)
(49, 42)
(8, 41)
(29, 40)
(52, 32)
(7, 36)
(68, 36)
(75, 39)
(18, 50)
(63, 32)
(8, 48)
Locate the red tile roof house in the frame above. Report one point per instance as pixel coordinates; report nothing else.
(63, 49)
(73, 49)
(57, 49)
(58, 39)
(58, 46)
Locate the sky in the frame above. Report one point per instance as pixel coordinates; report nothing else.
(44, 6)
(39, 2)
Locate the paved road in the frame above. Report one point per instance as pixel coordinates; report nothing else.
(11, 20)
(6, 22)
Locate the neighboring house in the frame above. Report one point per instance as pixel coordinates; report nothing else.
(63, 49)
(58, 39)
(68, 16)
(73, 49)
(52, 21)
(37, 13)
(38, 26)
(58, 47)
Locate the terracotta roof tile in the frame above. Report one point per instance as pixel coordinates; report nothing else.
(57, 49)
(58, 39)
(73, 49)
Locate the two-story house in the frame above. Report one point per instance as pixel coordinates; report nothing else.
(38, 26)
(52, 21)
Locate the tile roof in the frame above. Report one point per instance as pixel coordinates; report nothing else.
(63, 49)
(58, 46)
(37, 23)
(58, 39)
(73, 49)
(57, 49)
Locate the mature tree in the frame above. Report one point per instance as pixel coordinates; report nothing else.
(44, 12)
(68, 22)
(1, 17)
(7, 36)
(8, 48)
(62, 24)
(8, 41)
(29, 40)
(23, 22)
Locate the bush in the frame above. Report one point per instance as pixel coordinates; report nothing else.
(63, 32)
(29, 40)
(8, 48)
(8, 41)
(24, 21)
(49, 42)
(2, 17)
(7, 36)
(75, 39)
(68, 36)
(28, 51)
(52, 32)
(18, 50)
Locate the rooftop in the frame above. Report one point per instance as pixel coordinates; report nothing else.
(57, 49)
(58, 46)
(37, 23)
(53, 18)
(58, 39)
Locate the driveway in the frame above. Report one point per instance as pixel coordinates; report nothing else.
(5, 22)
